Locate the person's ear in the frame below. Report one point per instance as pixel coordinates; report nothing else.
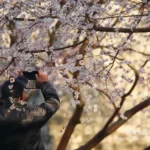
(22, 96)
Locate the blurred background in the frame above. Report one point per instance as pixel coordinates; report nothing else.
(96, 53)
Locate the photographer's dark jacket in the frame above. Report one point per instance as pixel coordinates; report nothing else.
(20, 129)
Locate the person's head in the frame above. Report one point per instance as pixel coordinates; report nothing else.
(14, 89)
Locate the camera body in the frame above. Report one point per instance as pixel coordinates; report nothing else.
(30, 75)
(32, 84)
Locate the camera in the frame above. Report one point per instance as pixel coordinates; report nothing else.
(32, 84)
(30, 75)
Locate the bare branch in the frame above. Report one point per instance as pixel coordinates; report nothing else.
(125, 16)
(55, 49)
(121, 30)
(13, 59)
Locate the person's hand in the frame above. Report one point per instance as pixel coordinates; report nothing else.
(20, 73)
(41, 77)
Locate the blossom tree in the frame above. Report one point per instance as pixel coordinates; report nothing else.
(101, 44)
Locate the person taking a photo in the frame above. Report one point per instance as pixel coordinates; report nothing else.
(20, 124)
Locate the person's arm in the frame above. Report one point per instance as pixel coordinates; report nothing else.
(40, 114)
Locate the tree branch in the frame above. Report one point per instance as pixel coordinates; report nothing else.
(13, 59)
(121, 30)
(75, 119)
(55, 49)
(123, 99)
(125, 16)
(101, 91)
(107, 130)
(104, 133)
